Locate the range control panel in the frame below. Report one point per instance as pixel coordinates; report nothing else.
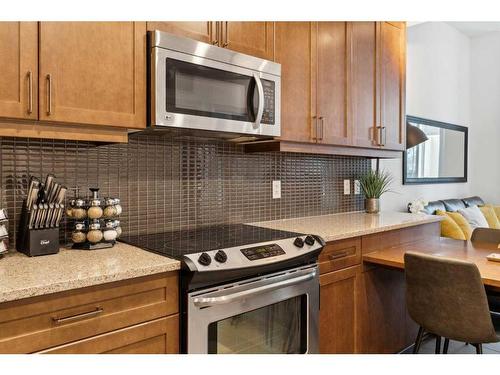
(264, 251)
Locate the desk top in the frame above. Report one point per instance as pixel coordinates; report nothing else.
(445, 247)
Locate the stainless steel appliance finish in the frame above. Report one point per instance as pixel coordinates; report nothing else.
(233, 301)
(199, 86)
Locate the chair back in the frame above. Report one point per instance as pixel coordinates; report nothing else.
(447, 297)
(489, 235)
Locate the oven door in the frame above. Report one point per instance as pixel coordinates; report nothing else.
(275, 313)
(203, 94)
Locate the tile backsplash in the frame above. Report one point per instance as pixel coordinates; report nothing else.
(167, 183)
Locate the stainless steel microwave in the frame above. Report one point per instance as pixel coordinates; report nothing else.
(198, 86)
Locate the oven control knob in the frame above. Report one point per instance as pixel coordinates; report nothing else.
(310, 240)
(298, 242)
(220, 256)
(204, 259)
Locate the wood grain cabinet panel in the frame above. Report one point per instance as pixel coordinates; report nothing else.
(293, 51)
(203, 31)
(337, 316)
(340, 254)
(363, 95)
(160, 336)
(252, 38)
(331, 83)
(392, 84)
(93, 73)
(19, 70)
(38, 323)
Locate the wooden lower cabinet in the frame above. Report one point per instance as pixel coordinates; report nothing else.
(337, 316)
(160, 336)
(134, 315)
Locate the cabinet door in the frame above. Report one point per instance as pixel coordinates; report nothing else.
(201, 31)
(252, 38)
(93, 73)
(19, 69)
(330, 81)
(159, 336)
(293, 51)
(392, 84)
(363, 103)
(337, 315)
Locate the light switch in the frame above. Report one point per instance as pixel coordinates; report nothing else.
(276, 189)
(347, 187)
(357, 187)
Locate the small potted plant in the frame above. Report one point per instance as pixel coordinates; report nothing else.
(374, 184)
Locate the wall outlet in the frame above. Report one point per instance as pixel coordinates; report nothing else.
(276, 189)
(347, 187)
(357, 187)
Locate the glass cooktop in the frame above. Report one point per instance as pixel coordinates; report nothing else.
(177, 243)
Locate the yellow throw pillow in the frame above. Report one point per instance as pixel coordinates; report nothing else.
(449, 228)
(462, 223)
(491, 216)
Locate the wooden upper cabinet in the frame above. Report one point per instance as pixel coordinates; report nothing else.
(293, 51)
(19, 70)
(252, 38)
(330, 83)
(392, 84)
(203, 31)
(363, 99)
(93, 73)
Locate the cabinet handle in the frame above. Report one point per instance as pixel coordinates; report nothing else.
(315, 136)
(225, 42)
(30, 92)
(322, 123)
(381, 135)
(338, 255)
(48, 78)
(72, 318)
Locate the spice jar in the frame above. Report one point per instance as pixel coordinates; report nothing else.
(78, 235)
(110, 208)
(109, 232)
(118, 207)
(95, 234)
(77, 209)
(95, 210)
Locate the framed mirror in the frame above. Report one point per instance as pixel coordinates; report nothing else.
(436, 152)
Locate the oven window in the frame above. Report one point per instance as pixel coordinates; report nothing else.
(279, 328)
(202, 91)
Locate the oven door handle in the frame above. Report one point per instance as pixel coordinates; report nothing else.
(260, 108)
(221, 300)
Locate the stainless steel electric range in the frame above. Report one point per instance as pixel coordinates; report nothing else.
(244, 289)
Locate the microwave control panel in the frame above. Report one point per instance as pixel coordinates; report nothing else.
(269, 102)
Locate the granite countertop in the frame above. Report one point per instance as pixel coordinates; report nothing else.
(352, 224)
(22, 276)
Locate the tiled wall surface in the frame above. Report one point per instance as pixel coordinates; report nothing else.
(167, 183)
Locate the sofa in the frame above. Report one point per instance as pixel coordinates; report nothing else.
(454, 224)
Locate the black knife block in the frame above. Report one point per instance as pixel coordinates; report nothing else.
(35, 242)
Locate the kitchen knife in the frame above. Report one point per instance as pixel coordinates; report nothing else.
(37, 217)
(48, 184)
(50, 213)
(54, 215)
(59, 214)
(61, 194)
(54, 190)
(32, 192)
(32, 217)
(44, 211)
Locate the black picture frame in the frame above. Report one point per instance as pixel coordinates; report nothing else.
(437, 180)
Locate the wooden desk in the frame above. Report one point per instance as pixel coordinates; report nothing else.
(446, 247)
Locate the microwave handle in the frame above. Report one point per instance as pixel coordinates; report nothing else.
(260, 108)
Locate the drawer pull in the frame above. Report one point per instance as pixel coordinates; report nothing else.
(338, 255)
(72, 318)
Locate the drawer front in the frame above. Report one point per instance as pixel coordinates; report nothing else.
(38, 323)
(160, 336)
(340, 254)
